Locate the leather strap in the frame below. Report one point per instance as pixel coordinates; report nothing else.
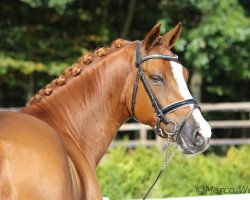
(134, 93)
(159, 111)
(177, 105)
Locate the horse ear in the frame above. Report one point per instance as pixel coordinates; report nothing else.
(151, 38)
(172, 36)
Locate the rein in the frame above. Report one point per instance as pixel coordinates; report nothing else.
(168, 156)
(160, 111)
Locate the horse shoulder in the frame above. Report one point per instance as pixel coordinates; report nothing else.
(7, 189)
(32, 160)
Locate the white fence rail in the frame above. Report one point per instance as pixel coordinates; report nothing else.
(206, 107)
(160, 142)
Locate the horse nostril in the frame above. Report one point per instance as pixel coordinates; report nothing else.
(198, 134)
(198, 138)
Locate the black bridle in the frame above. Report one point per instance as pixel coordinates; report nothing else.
(159, 111)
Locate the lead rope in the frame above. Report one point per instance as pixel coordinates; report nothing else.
(168, 157)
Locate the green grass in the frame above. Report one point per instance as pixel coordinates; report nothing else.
(126, 174)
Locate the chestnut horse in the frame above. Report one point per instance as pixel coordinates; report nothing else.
(50, 149)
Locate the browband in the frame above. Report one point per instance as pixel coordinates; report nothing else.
(157, 56)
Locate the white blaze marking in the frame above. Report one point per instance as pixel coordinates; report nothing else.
(177, 70)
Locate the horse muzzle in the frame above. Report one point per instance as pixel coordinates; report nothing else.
(193, 140)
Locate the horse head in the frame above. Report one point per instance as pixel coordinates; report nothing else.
(160, 96)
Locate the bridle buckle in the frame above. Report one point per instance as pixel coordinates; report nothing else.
(157, 129)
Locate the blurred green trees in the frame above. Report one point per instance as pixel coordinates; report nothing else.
(39, 38)
(215, 45)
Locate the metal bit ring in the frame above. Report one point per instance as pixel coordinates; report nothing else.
(171, 134)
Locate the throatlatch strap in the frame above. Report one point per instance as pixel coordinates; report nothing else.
(134, 94)
(138, 55)
(141, 75)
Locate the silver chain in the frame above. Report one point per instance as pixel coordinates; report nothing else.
(168, 157)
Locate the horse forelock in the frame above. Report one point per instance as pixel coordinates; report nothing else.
(76, 69)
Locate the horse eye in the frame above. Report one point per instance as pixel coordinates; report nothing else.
(156, 79)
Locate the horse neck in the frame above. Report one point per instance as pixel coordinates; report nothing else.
(90, 108)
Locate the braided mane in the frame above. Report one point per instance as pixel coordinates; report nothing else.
(76, 69)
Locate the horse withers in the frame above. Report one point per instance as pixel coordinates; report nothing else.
(50, 149)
